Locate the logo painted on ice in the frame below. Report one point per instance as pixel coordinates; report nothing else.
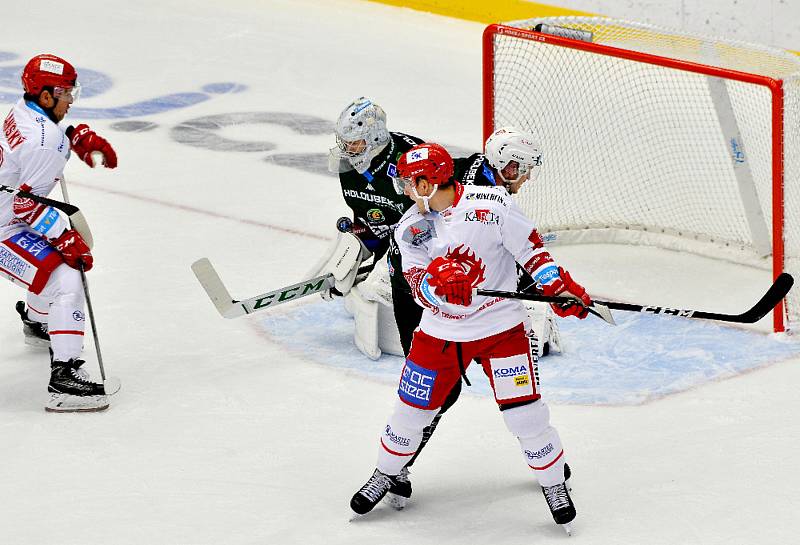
(416, 384)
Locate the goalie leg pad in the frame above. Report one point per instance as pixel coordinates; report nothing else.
(539, 441)
(401, 437)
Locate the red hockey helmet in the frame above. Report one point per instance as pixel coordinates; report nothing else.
(430, 161)
(48, 71)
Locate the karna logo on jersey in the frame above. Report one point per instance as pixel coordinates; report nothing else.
(482, 215)
(418, 155)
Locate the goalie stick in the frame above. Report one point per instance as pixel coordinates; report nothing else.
(768, 301)
(76, 218)
(228, 307)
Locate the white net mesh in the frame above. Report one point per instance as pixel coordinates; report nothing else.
(651, 146)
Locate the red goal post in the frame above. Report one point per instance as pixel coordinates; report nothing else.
(679, 140)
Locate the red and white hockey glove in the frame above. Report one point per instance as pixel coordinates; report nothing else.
(74, 250)
(84, 141)
(565, 284)
(450, 281)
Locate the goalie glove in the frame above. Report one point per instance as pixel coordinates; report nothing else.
(564, 285)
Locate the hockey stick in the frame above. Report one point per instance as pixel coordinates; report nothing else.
(768, 301)
(110, 387)
(228, 307)
(76, 218)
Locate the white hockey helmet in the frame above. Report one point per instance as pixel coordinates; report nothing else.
(509, 144)
(362, 120)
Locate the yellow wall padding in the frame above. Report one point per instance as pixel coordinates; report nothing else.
(484, 11)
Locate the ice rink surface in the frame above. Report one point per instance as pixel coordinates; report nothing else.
(259, 429)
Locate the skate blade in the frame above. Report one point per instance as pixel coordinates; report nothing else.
(567, 528)
(396, 502)
(64, 403)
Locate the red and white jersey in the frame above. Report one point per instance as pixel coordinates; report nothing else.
(488, 234)
(33, 152)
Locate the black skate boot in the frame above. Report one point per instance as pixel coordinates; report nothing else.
(72, 391)
(373, 492)
(400, 491)
(560, 504)
(567, 477)
(35, 332)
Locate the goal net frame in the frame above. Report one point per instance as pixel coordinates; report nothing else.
(766, 248)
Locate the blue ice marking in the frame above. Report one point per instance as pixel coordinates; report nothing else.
(644, 358)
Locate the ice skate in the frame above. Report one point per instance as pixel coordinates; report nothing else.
(560, 504)
(400, 491)
(72, 391)
(35, 332)
(374, 490)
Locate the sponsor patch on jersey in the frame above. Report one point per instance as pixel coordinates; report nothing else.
(482, 215)
(391, 171)
(17, 269)
(511, 377)
(33, 244)
(497, 197)
(416, 384)
(546, 275)
(375, 215)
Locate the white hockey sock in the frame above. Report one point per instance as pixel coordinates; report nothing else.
(402, 436)
(38, 308)
(67, 321)
(539, 441)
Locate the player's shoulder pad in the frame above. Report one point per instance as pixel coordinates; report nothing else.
(39, 131)
(414, 228)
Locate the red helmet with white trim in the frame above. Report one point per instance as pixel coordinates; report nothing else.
(48, 71)
(429, 160)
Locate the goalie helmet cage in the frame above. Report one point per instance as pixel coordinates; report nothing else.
(678, 140)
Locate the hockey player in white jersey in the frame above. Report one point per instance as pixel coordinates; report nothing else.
(38, 249)
(455, 239)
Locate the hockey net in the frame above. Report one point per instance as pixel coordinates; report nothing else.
(655, 137)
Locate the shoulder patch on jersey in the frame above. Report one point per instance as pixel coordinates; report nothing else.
(419, 232)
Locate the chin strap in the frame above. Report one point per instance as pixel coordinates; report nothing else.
(425, 200)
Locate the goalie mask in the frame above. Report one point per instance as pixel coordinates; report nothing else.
(515, 155)
(429, 161)
(361, 134)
